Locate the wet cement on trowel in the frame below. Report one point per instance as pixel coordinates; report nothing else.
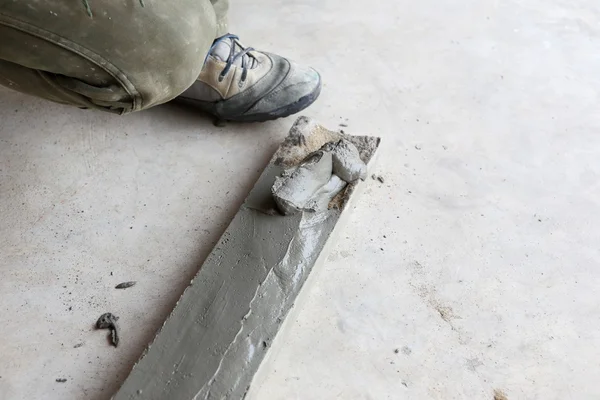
(318, 178)
(213, 342)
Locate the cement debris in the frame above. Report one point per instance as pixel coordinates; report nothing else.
(109, 321)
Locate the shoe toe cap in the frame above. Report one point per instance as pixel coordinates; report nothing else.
(302, 84)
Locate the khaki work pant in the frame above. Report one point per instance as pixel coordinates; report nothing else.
(115, 55)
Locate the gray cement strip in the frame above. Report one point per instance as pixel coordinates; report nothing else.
(212, 344)
(286, 327)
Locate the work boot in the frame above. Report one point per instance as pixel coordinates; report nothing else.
(238, 83)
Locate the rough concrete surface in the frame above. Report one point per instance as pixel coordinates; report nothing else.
(478, 254)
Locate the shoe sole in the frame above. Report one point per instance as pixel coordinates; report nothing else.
(284, 111)
(281, 112)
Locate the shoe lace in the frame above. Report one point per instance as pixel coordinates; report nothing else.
(247, 59)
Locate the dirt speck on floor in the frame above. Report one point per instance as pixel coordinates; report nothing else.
(378, 178)
(125, 285)
(473, 363)
(499, 395)
(61, 380)
(445, 312)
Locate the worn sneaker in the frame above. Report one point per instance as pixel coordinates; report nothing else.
(238, 83)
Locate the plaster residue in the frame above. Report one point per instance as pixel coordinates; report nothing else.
(315, 176)
(346, 161)
(308, 187)
(319, 178)
(307, 136)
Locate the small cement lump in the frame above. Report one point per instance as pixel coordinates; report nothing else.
(346, 161)
(301, 189)
(109, 321)
(319, 178)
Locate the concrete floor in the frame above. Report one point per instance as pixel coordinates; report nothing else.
(472, 269)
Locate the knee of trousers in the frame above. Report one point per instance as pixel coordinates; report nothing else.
(117, 55)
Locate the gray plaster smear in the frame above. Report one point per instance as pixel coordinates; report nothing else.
(212, 344)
